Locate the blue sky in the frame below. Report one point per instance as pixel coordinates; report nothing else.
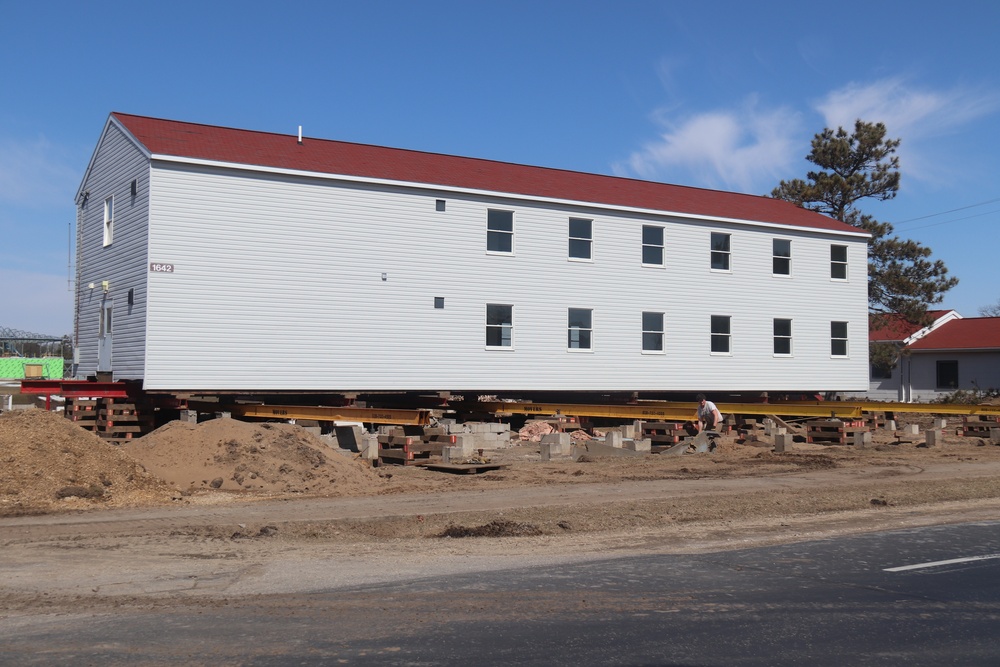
(721, 95)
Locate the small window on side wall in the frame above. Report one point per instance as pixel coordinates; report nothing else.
(109, 220)
(782, 337)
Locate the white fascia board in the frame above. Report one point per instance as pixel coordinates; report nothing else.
(497, 193)
(93, 156)
(944, 319)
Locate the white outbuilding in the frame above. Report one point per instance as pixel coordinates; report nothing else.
(220, 259)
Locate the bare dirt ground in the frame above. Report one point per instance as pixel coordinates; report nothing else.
(200, 515)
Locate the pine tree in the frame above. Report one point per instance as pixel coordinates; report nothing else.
(853, 167)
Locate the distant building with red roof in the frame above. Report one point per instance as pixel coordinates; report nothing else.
(952, 353)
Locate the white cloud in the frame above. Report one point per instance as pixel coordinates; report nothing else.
(35, 173)
(906, 111)
(36, 302)
(745, 149)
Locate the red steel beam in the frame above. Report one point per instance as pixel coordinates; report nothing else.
(75, 388)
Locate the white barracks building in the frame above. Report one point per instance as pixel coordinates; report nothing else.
(218, 259)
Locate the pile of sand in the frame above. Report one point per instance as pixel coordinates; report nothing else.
(48, 462)
(232, 455)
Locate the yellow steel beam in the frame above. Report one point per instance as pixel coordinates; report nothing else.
(324, 413)
(658, 412)
(661, 410)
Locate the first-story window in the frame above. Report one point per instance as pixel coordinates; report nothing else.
(652, 332)
(782, 336)
(581, 328)
(947, 374)
(109, 220)
(781, 257)
(499, 325)
(652, 245)
(838, 339)
(720, 251)
(838, 262)
(721, 334)
(581, 238)
(500, 231)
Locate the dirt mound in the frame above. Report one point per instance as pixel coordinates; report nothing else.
(232, 455)
(49, 463)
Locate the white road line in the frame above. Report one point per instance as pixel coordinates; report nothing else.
(936, 563)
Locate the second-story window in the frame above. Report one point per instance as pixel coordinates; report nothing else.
(500, 231)
(720, 251)
(652, 245)
(838, 262)
(109, 220)
(581, 238)
(781, 257)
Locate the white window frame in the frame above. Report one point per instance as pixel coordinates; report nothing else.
(777, 258)
(726, 254)
(837, 263)
(579, 331)
(109, 220)
(777, 337)
(506, 341)
(727, 335)
(581, 241)
(658, 247)
(659, 332)
(835, 339)
(495, 232)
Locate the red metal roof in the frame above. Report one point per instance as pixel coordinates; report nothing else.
(893, 327)
(969, 333)
(282, 151)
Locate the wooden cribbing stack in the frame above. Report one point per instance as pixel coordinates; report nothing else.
(833, 432)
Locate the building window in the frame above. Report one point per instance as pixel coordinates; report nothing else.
(838, 339)
(720, 251)
(947, 374)
(721, 334)
(652, 332)
(581, 329)
(881, 372)
(782, 336)
(652, 245)
(581, 238)
(109, 220)
(500, 231)
(499, 325)
(781, 257)
(439, 302)
(439, 205)
(838, 262)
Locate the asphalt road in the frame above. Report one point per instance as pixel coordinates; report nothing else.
(928, 596)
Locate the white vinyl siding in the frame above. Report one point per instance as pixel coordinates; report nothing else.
(117, 162)
(302, 306)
